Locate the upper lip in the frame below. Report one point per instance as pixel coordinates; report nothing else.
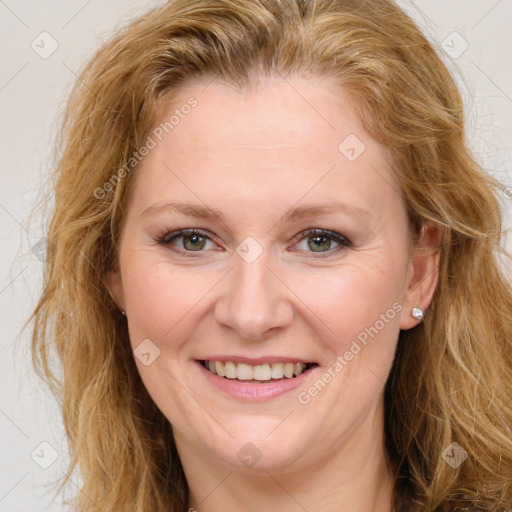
(253, 361)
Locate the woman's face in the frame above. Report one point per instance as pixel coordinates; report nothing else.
(300, 255)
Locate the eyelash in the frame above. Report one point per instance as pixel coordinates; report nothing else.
(344, 242)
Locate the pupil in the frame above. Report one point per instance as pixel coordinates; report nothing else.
(193, 242)
(319, 243)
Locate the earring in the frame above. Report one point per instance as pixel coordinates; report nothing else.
(123, 312)
(417, 313)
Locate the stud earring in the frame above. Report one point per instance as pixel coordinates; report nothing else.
(417, 313)
(123, 312)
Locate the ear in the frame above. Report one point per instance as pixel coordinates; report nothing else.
(115, 286)
(424, 275)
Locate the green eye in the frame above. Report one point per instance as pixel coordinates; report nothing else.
(193, 242)
(186, 240)
(322, 241)
(319, 243)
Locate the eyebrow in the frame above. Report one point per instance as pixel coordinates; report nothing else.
(294, 214)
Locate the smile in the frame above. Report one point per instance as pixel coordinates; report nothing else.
(259, 373)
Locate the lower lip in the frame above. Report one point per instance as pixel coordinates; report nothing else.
(255, 391)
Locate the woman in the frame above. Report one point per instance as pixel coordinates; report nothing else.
(273, 280)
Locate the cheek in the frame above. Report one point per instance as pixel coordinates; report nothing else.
(163, 303)
(162, 299)
(356, 302)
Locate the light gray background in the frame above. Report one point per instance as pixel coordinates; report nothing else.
(32, 94)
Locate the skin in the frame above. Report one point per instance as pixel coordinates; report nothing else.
(254, 156)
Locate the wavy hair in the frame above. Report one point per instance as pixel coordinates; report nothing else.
(452, 375)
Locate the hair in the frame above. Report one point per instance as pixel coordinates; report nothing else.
(452, 374)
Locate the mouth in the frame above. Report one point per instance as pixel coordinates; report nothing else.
(257, 374)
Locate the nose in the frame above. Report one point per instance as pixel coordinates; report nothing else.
(254, 300)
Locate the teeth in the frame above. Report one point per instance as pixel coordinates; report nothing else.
(259, 372)
(298, 368)
(262, 372)
(288, 370)
(277, 371)
(244, 371)
(219, 368)
(230, 369)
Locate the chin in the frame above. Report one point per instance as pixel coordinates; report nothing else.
(256, 451)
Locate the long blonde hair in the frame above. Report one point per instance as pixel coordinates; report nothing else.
(452, 376)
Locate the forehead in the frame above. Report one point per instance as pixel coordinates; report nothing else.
(275, 142)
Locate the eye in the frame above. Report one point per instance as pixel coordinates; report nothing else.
(322, 241)
(189, 240)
